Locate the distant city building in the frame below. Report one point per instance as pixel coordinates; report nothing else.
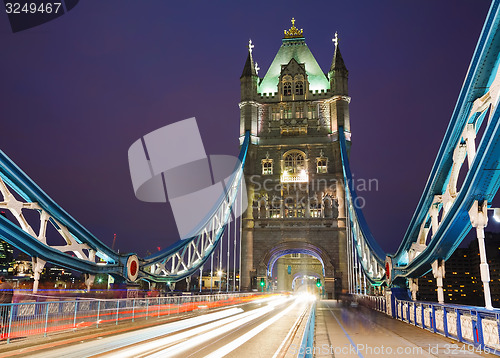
(59, 277)
(212, 283)
(462, 283)
(22, 265)
(6, 258)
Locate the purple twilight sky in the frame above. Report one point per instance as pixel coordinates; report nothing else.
(76, 92)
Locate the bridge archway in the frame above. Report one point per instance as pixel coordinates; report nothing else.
(297, 247)
(306, 273)
(290, 259)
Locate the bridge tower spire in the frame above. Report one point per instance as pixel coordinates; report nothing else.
(248, 83)
(338, 77)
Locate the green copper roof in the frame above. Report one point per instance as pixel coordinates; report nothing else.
(294, 48)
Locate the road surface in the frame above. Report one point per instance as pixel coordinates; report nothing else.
(269, 327)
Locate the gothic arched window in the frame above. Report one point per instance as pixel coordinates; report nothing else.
(294, 162)
(321, 165)
(299, 88)
(287, 89)
(267, 167)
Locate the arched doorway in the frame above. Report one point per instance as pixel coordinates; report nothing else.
(307, 281)
(289, 260)
(288, 267)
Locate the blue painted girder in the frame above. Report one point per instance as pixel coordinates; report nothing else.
(375, 248)
(14, 177)
(479, 76)
(14, 235)
(481, 183)
(23, 185)
(182, 244)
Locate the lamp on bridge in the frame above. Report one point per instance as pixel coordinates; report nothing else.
(496, 214)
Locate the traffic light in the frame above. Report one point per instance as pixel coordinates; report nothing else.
(318, 282)
(262, 282)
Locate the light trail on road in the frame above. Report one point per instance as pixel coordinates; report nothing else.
(259, 325)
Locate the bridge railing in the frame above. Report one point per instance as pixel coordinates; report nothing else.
(36, 319)
(475, 326)
(307, 342)
(377, 303)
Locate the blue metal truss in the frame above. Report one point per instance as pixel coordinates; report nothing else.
(86, 246)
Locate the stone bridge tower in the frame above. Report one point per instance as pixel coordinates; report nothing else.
(293, 170)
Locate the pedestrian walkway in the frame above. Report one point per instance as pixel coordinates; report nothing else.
(364, 333)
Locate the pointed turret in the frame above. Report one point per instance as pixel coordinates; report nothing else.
(338, 62)
(338, 71)
(249, 80)
(338, 75)
(249, 77)
(249, 69)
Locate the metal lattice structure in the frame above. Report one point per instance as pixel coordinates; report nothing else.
(445, 212)
(42, 229)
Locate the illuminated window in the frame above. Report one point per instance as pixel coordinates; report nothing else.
(274, 210)
(294, 162)
(294, 210)
(275, 114)
(299, 112)
(321, 164)
(267, 168)
(267, 165)
(287, 113)
(315, 210)
(311, 111)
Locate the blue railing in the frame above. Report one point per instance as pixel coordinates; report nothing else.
(307, 344)
(478, 327)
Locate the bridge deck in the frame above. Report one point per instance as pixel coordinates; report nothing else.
(340, 330)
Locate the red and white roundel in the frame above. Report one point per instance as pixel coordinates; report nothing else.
(132, 268)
